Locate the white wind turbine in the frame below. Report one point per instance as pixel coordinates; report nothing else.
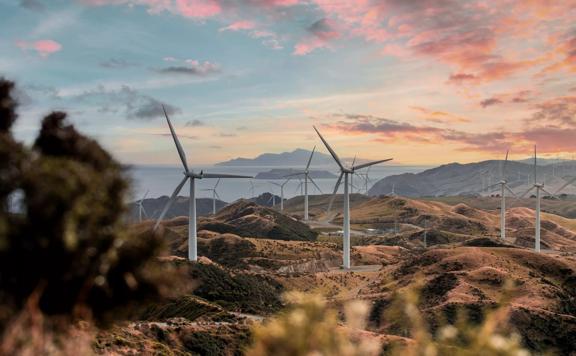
(306, 174)
(188, 174)
(140, 204)
(281, 186)
(539, 188)
(345, 173)
(503, 188)
(214, 195)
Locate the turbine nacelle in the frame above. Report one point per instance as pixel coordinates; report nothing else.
(191, 174)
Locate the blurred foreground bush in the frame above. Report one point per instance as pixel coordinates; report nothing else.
(309, 327)
(65, 246)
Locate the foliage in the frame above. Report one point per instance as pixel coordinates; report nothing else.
(309, 327)
(240, 292)
(67, 243)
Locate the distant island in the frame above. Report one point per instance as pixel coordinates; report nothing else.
(281, 173)
(297, 158)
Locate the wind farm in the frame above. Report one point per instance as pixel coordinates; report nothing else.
(288, 178)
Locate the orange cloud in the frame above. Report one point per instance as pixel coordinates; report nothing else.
(439, 116)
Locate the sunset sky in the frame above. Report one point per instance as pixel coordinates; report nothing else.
(422, 81)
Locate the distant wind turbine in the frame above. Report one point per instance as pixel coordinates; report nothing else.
(140, 204)
(345, 173)
(188, 174)
(306, 174)
(214, 195)
(281, 186)
(503, 188)
(539, 188)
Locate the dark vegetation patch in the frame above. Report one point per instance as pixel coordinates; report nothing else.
(435, 290)
(237, 291)
(227, 250)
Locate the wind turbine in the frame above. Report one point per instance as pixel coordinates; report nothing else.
(503, 188)
(539, 188)
(188, 174)
(272, 199)
(306, 174)
(140, 204)
(345, 173)
(281, 186)
(214, 195)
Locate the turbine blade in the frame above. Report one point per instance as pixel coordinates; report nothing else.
(294, 174)
(510, 190)
(335, 191)
(492, 186)
(547, 192)
(334, 155)
(176, 141)
(565, 185)
(316, 185)
(145, 195)
(525, 193)
(354, 160)
(535, 163)
(219, 175)
(298, 187)
(217, 182)
(310, 159)
(217, 196)
(170, 201)
(505, 164)
(144, 211)
(360, 166)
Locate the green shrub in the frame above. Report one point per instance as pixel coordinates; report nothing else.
(68, 244)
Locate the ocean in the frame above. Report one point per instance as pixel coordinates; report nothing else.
(162, 180)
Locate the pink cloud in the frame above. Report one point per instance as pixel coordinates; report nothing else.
(239, 25)
(43, 47)
(198, 8)
(307, 46)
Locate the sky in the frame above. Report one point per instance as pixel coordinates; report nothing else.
(422, 81)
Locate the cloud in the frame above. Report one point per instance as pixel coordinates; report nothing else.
(462, 78)
(126, 101)
(556, 111)
(116, 63)
(192, 67)
(188, 137)
(43, 47)
(34, 5)
(518, 97)
(490, 102)
(194, 123)
(199, 8)
(239, 25)
(439, 116)
(550, 138)
(320, 34)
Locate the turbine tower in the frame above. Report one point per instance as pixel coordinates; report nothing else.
(281, 186)
(214, 195)
(539, 188)
(140, 204)
(188, 174)
(503, 188)
(345, 173)
(306, 174)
